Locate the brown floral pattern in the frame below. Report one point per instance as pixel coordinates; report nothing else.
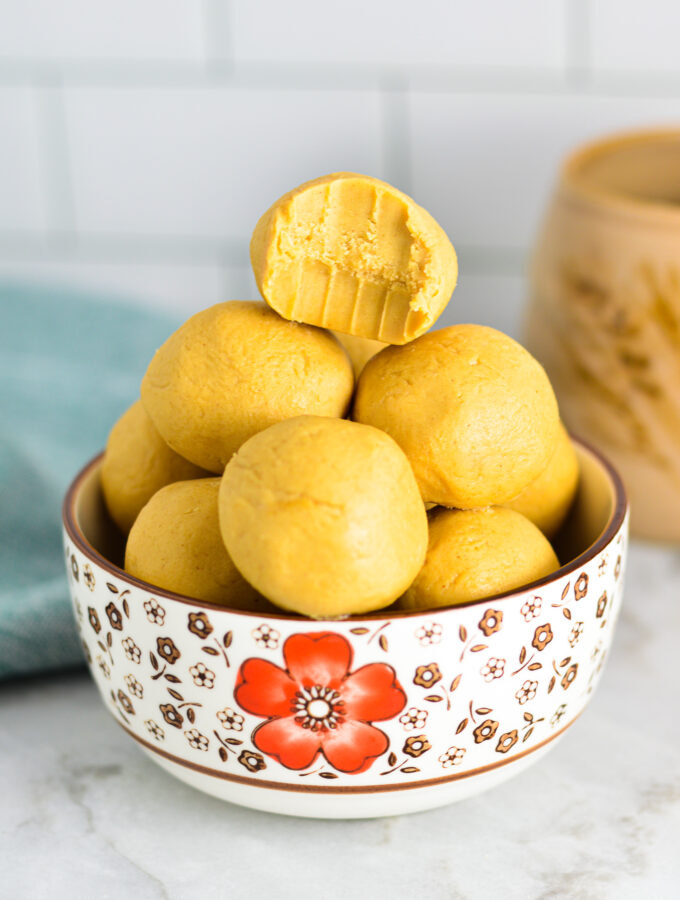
(531, 609)
(507, 741)
(427, 675)
(167, 649)
(126, 703)
(266, 636)
(230, 719)
(93, 619)
(197, 740)
(88, 577)
(114, 616)
(491, 622)
(74, 568)
(416, 745)
(452, 757)
(575, 634)
(429, 634)
(558, 714)
(154, 611)
(413, 719)
(542, 636)
(569, 676)
(171, 715)
(581, 586)
(493, 668)
(601, 605)
(526, 692)
(132, 651)
(199, 624)
(252, 760)
(154, 729)
(135, 688)
(202, 675)
(485, 731)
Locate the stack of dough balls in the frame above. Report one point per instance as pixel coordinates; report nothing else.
(283, 454)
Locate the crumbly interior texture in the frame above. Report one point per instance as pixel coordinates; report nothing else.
(136, 464)
(354, 254)
(236, 368)
(474, 554)
(323, 516)
(473, 411)
(359, 349)
(175, 544)
(546, 501)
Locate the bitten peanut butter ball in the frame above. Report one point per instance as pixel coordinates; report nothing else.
(175, 544)
(473, 411)
(476, 553)
(137, 463)
(353, 253)
(236, 368)
(546, 501)
(323, 516)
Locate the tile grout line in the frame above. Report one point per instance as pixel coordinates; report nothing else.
(216, 18)
(578, 62)
(55, 159)
(395, 137)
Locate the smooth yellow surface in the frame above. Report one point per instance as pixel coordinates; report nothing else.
(547, 500)
(473, 411)
(473, 554)
(323, 516)
(236, 368)
(359, 349)
(175, 544)
(136, 464)
(353, 253)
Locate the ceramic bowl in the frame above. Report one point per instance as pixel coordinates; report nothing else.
(369, 716)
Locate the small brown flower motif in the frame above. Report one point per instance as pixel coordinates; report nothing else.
(154, 730)
(104, 666)
(526, 692)
(253, 761)
(506, 741)
(569, 676)
(134, 686)
(154, 611)
(581, 586)
(126, 703)
(557, 715)
(413, 719)
(74, 568)
(452, 757)
(575, 633)
(196, 740)
(532, 608)
(202, 675)
(601, 606)
(491, 621)
(94, 619)
(493, 668)
(199, 624)
(167, 649)
(428, 675)
(86, 651)
(230, 719)
(132, 651)
(416, 745)
(617, 568)
(485, 731)
(171, 715)
(115, 617)
(542, 636)
(266, 636)
(88, 577)
(429, 634)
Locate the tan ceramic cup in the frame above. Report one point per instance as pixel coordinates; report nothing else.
(604, 313)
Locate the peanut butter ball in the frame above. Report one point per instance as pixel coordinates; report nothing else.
(175, 544)
(476, 553)
(236, 368)
(547, 499)
(473, 411)
(137, 463)
(353, 253)
(359, 349)
(323, 516)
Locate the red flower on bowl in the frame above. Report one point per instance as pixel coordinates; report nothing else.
(316, 705)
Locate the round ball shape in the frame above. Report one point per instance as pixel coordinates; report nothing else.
(323, 516)
(137, 463)
(473, 554)
(175, 544)
(546, 501)
(236, 368)
(471, 408)
(359, 349)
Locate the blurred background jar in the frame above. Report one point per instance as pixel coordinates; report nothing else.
(604, 313)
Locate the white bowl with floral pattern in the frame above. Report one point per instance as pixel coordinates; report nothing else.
(369, 716)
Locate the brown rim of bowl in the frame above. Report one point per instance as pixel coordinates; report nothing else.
(613, 525)
(662, 213)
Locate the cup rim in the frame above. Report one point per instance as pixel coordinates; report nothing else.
(613, 526)
(573, 184)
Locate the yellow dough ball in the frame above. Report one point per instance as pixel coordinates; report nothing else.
(323, 516)
(136, 464)
(359, 349)
(476, 553)
(546, 501)
(175, 544)
(353, 253)
(472, 409)
(236, 368)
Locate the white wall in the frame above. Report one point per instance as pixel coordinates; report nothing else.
(141, 139)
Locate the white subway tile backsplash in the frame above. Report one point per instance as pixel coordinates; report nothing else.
(22, 194)
(633, 36)
(208, 162)
(528, 33)
(45, 30)
(484, 164)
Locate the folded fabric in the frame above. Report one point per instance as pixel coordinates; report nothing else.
(69, 366)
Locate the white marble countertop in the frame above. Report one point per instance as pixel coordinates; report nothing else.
(84, 814)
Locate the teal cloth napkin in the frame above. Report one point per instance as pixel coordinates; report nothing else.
(69, 366)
